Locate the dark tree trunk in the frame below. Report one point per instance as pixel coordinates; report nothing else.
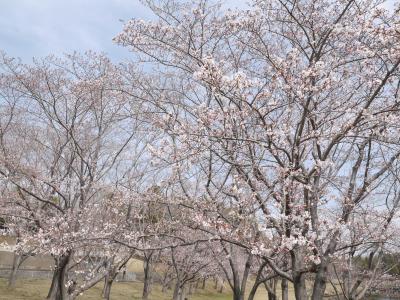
(109, 279)
(253, 291)
(238, 283)
(166, 282)
(299, 278)
(63, 277)
(271, 296)
(237, 295)
(320, 282)
(107, 287)
(221, 287)
(270, 286)
(300, 289)
(58, 290)
(240, 286)
(147, 278)
(204, 283)
(176, 295)
(54, 286)
(182, 295)
(13, 274)
(284, 288)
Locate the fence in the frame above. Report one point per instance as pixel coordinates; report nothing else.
(48, 274)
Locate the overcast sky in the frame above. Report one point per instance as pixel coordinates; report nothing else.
(35, 28)
(31, 28)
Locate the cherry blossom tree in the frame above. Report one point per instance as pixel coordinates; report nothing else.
(266, 137)
(187, 264)
(285, 113)
(66, 144)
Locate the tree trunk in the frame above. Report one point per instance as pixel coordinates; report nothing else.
(253, 291)
(182, 295)
(165, 282)
(204, 283)
(346, 283)
(13, 274)
(300, 289)
(320, 282)
(284, 287)
(52, 294)
(239, 284)
(190, 289)
(58, 290)
(107, 287)
(237, 294)
(221, 287)
(176, 294)
(270, 286)
(299, 278)
(246, 273)
(63, 277)
(109, 279)
(271, 296)
(147, 279)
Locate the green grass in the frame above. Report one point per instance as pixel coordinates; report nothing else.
(36, 289)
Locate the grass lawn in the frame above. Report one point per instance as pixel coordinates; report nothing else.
(35, 289)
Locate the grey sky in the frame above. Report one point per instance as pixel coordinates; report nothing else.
(35, 28)
(40, 27)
